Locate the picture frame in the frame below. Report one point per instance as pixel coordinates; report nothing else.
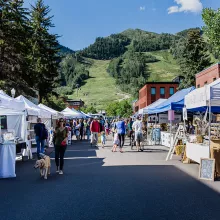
(207, 169)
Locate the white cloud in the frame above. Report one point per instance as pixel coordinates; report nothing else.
(186, 6)
(142, 8)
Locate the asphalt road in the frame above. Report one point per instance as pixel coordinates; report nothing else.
(97, 190)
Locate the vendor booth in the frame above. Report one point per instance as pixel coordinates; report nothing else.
(34, 112)
(169, 125)
(12, 133)
(206, 143)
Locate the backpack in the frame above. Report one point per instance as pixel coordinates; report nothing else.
(44, 133)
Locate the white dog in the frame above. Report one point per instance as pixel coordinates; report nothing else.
(44, 166)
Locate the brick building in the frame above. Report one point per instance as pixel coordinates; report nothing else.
(208, 75)
(153, 91)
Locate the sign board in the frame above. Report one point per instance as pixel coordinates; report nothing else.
(207, 169)
(163, 118)
(3, 122)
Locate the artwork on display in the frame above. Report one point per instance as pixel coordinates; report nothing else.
(207, 169)
(3, 122)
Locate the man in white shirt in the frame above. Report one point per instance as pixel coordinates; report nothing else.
(137, 127)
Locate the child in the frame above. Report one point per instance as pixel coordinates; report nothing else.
(115, 142)
(103, 139)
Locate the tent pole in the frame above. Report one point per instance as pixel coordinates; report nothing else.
(209, 128)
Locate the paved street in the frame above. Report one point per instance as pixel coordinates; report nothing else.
(98, 184)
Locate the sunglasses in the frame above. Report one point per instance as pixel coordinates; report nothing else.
(61, 121)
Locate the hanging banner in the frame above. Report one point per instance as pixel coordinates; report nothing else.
(171, 115)
(185, 117)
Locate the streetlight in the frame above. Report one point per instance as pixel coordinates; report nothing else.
(13, 93)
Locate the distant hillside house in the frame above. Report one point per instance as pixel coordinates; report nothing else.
(76, 104)
(153, 91)
(208, 75)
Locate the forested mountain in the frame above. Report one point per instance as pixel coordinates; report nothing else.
(65, 50)
(107, 48)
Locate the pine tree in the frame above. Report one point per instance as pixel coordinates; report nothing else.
(14, 49)
(193, 58)
(45, 47)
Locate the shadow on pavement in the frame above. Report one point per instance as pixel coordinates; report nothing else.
(89, 190)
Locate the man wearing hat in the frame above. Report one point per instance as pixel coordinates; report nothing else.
(95, 129)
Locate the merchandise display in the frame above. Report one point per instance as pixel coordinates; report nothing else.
(215, 131)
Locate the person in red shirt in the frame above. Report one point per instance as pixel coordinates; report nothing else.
(95, 129)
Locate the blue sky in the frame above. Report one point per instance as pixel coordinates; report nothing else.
(79, 22)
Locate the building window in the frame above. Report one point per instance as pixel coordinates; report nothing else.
(171, 90)
(153, 94)
(162, 92)
(214, 79)
(205, 83)
(153, 91)
(198, 86)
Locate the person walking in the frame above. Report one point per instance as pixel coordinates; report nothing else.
(137, 127)
(40, 136)
(130, 130)
(60, 141)
(95, 129)
(88, 133)
(120, 126)
(81, 130)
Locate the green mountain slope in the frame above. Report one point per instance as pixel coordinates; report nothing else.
(100, 89)
(165, 69)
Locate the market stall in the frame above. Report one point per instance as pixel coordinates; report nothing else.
(207, 141)
(33, 113)
(169, 125)
(12, 133)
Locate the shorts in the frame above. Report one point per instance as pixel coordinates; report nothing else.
(138, 136)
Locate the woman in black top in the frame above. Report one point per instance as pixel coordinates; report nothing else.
(81, 129)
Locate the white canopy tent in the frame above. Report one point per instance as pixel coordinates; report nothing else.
(201, 98)
(144, 111)
(55, 114)
(69, 113)
(33, 109)
(8, 102)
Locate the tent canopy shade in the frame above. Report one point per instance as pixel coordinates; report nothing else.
(175, 102)
(53, 112)
(69, 113)
(33, 109)
(144, 111)
(10, 103)
(198, 100)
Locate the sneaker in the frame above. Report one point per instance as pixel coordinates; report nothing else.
(58, 170)
(61, 172)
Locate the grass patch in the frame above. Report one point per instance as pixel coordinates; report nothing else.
(165, 69)
(100, 89)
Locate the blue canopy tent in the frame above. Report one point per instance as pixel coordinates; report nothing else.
(87, 116)
(175, 102)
